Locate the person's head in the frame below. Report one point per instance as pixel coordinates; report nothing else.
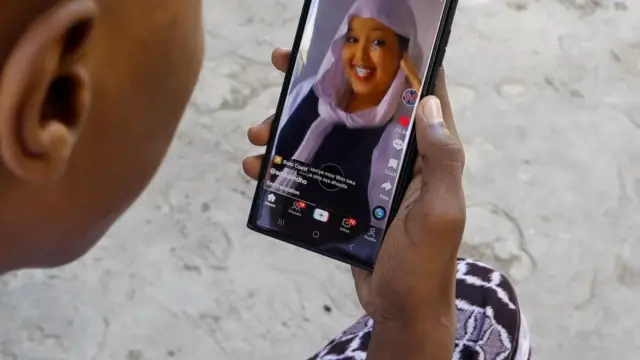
(371, 55)
(91, 93)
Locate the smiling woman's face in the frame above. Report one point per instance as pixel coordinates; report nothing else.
(371, 56)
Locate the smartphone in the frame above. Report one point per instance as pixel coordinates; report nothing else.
(342, 146)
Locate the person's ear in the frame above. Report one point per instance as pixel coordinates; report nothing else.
(45, 92)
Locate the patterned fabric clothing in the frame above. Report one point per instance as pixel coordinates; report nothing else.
(490, 325)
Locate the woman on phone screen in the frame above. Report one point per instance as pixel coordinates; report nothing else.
(339, 121)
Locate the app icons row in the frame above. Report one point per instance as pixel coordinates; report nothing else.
(409, 98)
(323, 216)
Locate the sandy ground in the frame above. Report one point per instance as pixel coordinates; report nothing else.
(546, 96)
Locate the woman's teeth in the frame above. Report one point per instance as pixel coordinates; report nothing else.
(361, 71)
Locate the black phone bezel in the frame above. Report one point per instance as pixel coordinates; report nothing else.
(406, 171)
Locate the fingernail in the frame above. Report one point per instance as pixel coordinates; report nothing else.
(432, 111)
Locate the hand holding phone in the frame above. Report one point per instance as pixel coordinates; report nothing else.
(414, 276)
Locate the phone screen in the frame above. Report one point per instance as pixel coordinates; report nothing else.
(344, 127)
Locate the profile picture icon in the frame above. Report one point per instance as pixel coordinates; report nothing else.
(410, 97)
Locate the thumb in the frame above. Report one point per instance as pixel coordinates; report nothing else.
(440, 150)
(440, 210)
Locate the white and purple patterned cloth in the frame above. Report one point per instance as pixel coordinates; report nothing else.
(490, 325)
